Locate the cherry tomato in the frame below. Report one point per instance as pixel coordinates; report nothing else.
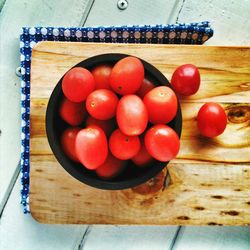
(131, 115)
(101, 74)
(145, 88)
(101, 104)
(107, 126)
(143, 158)
(161, 103)
(123, 146)
(127, 75)
(68, 140)
(186, 79)
(162, 142)
(91, 147)
(77, 84)
(212, 119)
(111, 168)
(71, 112)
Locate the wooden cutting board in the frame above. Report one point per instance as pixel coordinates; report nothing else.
(210, 179)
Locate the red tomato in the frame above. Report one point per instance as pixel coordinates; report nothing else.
(131, 115)
(71, 112)
(212, 119)
(91, 147)
(110, 168)
(161, 103)
(123, 146)
(127, 75)
(101, 74)
(68, 140)
(101, 104)
(143, 158)
(107, 126)
(186, 79)
(145, 88)
(77, 84)
(162, 142)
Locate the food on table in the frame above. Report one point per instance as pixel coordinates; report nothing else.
(186, 79)
(161, 103)
(211, 119)
(146, 86)
(77, 84)
(131, 115)
(101, 74)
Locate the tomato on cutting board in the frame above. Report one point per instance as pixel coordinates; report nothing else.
(161, 103)
(162, 142)
(71, 112)
(101, 74)
(211, 119)
(68, 140)
(131, 115)
(111, 168)
(186, 79)
(91, 147)
(77, 84)
(127, 75)
(124, 146)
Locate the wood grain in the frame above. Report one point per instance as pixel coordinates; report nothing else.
(210, 179)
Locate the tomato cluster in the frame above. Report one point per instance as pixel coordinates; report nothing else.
(115, 115)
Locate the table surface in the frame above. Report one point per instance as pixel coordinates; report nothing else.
(230, 20)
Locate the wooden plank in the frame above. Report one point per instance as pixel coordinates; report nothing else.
(13, 16)
(137, 12)
(18, 231)
(230, 19)
(127, 237)
(199, 191)
(216, 238)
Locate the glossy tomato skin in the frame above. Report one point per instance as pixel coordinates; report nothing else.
(186, 79)
(162, 142)
(77, 84)
(212, 119)
(145, 88)
(127, 75)
(101, 74)
(71, 112)
(111, 168)
(143, 158)
(161, 103)
(91, 147)
(68, 140)
(123, 146)
(101, 104)
(107, 126)
(131, 115)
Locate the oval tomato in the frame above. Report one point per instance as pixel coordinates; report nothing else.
(143, 158)
(107, 126)
(91, 147)
(68, 140)
(145, 88)
(127, 75)
(186, 79)
(71, 112)
(77, 84)
(131, 115)
(212, 119)
(111, 168)
(162, 142)
(101, 74)
(161, 103)
(123, 146)
(101, 104)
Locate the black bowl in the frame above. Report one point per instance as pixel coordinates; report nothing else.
(132, 175)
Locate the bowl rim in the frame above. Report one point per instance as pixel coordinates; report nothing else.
(67, 164)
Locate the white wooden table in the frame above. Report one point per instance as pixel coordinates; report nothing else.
(231, 22)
